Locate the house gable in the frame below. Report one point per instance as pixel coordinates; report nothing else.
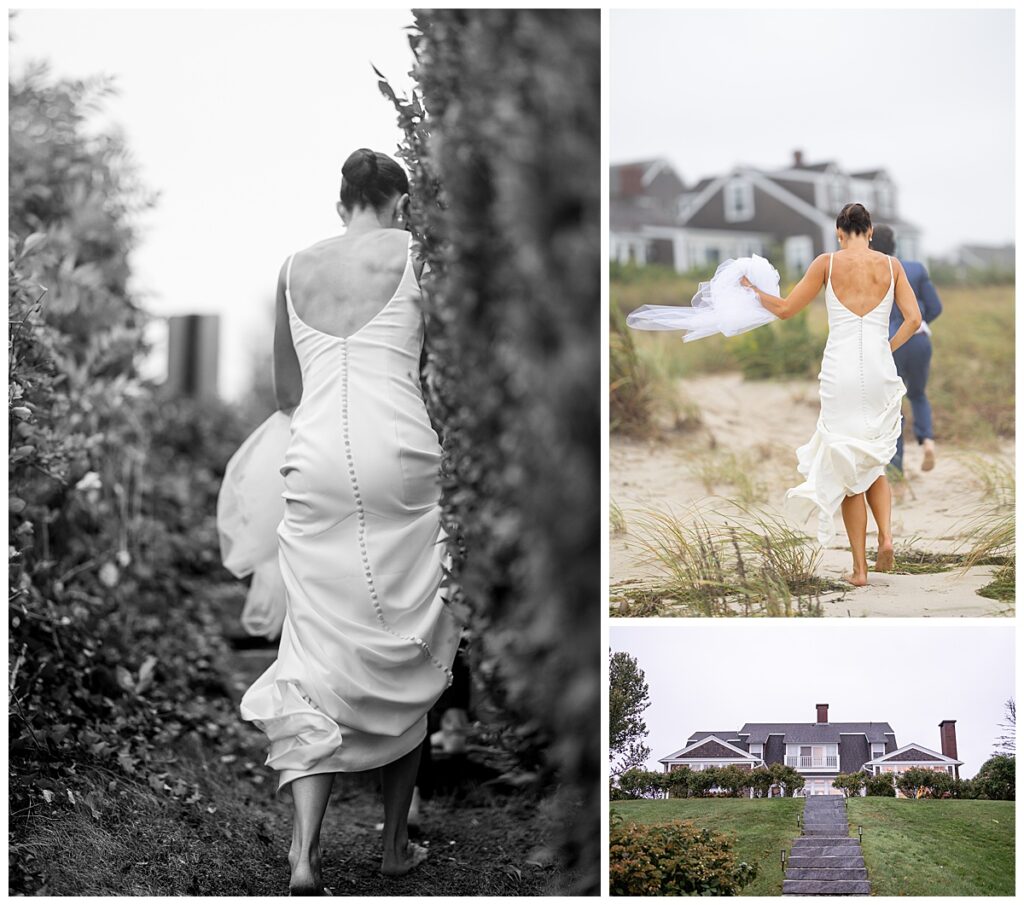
(914, 754)
(774, 210)
(711, 748)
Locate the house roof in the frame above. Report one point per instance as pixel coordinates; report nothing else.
(628, 214)
(815, 733)
(869, 174)
(724, 734)
(637, 164)
(815, 167)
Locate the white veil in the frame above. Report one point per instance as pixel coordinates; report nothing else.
(721, 305)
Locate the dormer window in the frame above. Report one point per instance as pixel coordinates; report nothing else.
(877, 750)
(883, 199)
(739, 200)
(837, 192)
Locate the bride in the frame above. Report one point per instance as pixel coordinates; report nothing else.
(367, 641)
(844, 462)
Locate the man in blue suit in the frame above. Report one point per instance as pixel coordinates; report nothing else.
(914, 357)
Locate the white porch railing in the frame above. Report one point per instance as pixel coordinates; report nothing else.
(828, 762)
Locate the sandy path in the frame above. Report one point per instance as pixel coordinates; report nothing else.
(761, 423)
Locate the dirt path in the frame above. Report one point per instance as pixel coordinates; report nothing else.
(756, 426)
(480, 841)
(203, 819)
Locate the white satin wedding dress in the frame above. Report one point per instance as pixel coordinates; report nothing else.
(861, 395)
(367, 641)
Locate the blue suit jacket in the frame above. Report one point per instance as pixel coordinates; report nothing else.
(927, 297)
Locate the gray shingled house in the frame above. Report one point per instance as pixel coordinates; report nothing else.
(656, 218)
(820, 750)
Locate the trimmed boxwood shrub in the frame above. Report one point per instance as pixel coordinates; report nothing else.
(673, 859)
(503, 145)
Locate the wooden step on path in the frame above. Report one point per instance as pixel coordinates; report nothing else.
(826, 861)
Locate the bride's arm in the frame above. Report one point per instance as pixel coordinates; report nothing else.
(287, 373)
(906, 301)
(803, 292)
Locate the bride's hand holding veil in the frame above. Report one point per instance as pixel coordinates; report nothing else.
(801, 296)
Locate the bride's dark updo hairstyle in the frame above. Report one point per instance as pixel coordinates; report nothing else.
(854, 219)
(371, 179)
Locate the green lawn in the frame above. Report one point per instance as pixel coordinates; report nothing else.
(762, 827)
(936, 848)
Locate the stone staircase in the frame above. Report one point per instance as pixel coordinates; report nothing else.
(826, 861)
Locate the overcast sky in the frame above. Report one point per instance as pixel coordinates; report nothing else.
(241, 119)
(722, 675)
(925, 94)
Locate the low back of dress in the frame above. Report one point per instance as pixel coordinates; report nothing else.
(368, 641)
(861, 395)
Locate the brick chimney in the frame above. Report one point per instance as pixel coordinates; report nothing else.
(823, 714)
(947, 733)
(798, 161)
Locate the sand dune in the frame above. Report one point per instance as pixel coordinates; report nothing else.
(761, 423)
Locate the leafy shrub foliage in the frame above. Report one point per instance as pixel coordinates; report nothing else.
(111, 490)
(731, 781)
(789, 349)
(881, 786)
(503, 144)
(673, 859)
(997, 779)
(850, 784)
(923, 783)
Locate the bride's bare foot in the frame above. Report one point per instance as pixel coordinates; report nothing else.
(399, 864)
(305, 879)
(857, 579)
(886, 559)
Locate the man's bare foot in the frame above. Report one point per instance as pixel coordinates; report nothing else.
(857, 579)
(929, 455)
(399, 865)
(885, 561)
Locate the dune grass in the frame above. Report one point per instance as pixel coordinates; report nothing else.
(990, 536)
(762, 827)
(936, 848)
(971, 386)
(754, 564)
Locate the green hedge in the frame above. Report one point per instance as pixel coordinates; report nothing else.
(709, 782)
(506, 182)
(113, 660)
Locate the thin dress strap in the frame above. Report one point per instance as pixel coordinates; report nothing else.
(892, 278)
(830, 268)
(288, 276)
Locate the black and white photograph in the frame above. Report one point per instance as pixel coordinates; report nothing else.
(305, 452)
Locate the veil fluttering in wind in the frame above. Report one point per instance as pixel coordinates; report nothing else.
(721, 304)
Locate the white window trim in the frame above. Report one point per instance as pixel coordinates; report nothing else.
(745, 211)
